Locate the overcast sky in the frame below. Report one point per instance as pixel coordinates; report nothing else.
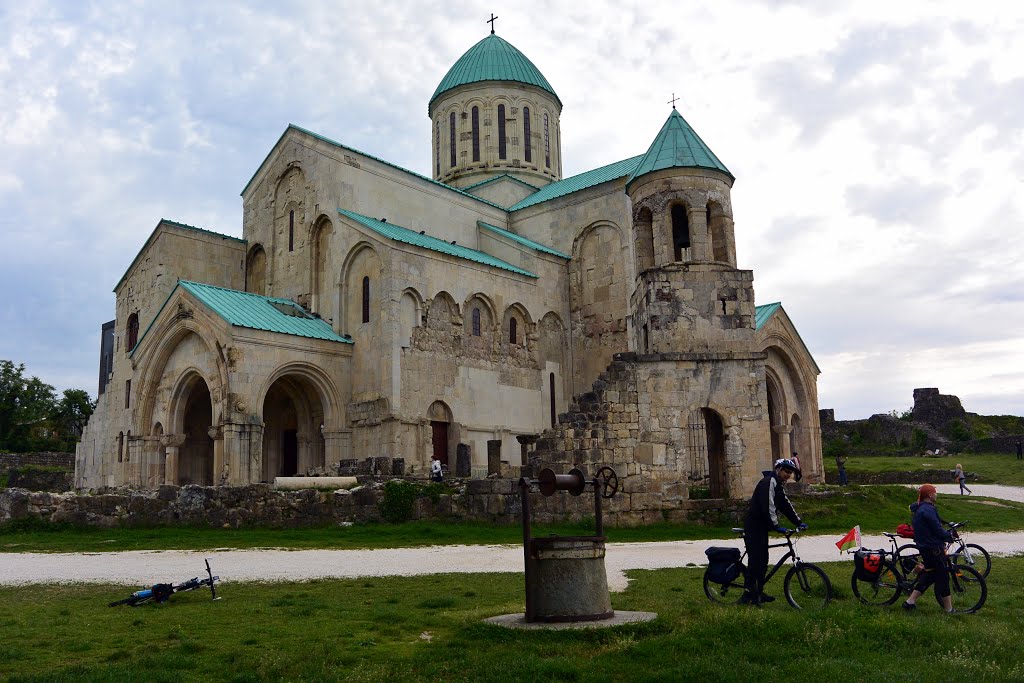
(878, 149)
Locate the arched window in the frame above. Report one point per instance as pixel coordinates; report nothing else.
(680, 231)
(512, 331)
(131, 335)
(547, 142)
(451, 137)
(437, 146)
(366, 299)
(291, 230)
(127, 393)
(476, 322)
(501, 131)
(476, 133)
(551, 391)
(526, 135)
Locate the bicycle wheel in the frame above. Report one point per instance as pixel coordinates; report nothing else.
(975, 557)
(885, 589)
(967, 588)
(723, 593)
(807, 587)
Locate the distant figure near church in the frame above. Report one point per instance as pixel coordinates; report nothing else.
(1020, 450)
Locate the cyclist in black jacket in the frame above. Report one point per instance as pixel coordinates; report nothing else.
(763, 516)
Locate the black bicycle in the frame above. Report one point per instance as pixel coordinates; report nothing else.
(880, 577)
(806, 586)
(971, 554)
(161, 592)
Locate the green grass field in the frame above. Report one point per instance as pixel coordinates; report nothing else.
(991, 468)
(830, 509)
(429, 629)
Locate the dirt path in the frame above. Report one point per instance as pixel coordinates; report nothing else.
(136, 568)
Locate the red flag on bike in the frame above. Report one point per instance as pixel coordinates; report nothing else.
(851, 541)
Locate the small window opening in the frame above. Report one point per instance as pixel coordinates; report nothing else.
(476, 322)
(501, 131)
(547, 143)
(512, 331)
(127, 393)
(120, 447)
(437, 147)
(680, 232)
(291, 230)
(451, 137)
(366, 299)
(132, 333)
(551, 392)
(476, 133)
(528, 150)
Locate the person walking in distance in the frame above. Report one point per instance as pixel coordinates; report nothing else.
(1020, 450)
(931, 539)
(841, 466)
(763, 516)
(961, 478)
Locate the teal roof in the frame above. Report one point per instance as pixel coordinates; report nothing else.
(677, 146)
(400, 234)
(579, 182)
(523, 240)
(762, 313)
(492, 59)
(152, 235)
(503, 176)
(243, 309)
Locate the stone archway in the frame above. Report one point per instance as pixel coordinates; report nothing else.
(293, 416)
(441, 432)
(194, 419)
(708, 475)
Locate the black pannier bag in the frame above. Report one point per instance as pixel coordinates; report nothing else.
(723, 564)
(867, 564)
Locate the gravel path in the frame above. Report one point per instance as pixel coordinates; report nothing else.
(136, 568)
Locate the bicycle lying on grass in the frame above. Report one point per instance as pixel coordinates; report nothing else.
(161, 592)
(880, 577)
(806, 586)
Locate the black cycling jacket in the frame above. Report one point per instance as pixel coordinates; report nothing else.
(768, 501)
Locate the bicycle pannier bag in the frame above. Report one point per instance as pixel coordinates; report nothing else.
(867, 564)
(723, 564)
(904, 531)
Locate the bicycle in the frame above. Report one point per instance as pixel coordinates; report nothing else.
(972, 554)
(806, 586)
(161, 592)
(883, 580)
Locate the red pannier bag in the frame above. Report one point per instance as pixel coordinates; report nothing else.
(905, 531)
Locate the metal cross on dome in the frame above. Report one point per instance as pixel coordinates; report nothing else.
(674, 100)
(491, 21)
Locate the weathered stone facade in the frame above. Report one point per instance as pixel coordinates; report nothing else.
(462, 313)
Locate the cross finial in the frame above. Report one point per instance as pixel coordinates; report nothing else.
(673, 100)
(491, 21)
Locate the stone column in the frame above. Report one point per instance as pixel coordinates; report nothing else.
(337, 445)
(700, 241)
(243, 453)
(463, 461)
(525, 442)
(150, 461)
(304, 457)
(172, 442)
(784, 442)
(221, 472)
(494, 457)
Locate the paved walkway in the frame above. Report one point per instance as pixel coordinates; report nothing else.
(136, 568)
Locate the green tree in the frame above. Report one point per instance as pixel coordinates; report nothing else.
(25, 407)
(70, 415)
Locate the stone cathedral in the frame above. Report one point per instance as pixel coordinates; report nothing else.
(370, 311)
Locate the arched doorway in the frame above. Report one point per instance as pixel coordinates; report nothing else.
(776, 410)
(440, 417)
(195, 456)
(708, 475)
(293, 418)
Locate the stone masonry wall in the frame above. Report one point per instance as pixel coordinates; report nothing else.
(64, 460)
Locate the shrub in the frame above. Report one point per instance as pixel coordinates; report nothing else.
(398, 500)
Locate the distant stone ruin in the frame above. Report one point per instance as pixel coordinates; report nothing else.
(935, 409)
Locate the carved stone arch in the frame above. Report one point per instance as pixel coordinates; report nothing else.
(320, 381)
(783, 360)
(256, 270)
(191, 414)
(523, 324)
(290, 192)
(479, 325)
(643, 236)
(319, 262)
(711, 434)
(410, 315)
(719, 225)
(362, 261)
(443, 312)
(150, 366)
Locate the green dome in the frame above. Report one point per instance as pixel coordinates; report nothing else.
(492, 59)
(677, 146)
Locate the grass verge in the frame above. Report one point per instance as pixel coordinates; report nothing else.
(828, 510)
(429, 628)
